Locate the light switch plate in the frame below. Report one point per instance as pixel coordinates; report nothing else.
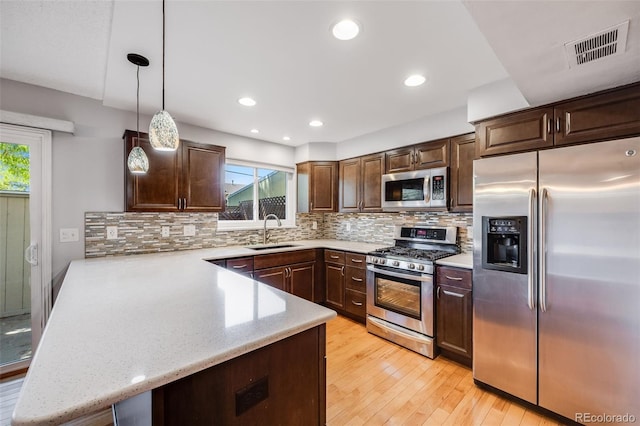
(189, 230)
(68, 235)
(348, 226)
(314, 225)
(112, 232)
(165, 231)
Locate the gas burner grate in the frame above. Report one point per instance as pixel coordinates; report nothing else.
(412, 253)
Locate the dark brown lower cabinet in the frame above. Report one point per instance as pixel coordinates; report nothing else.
(295, 279)
(281, 384)
(454, 313)
(292, 271)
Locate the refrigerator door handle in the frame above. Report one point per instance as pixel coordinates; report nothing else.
(531, 299)
(543, 250)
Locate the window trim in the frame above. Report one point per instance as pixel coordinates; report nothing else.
(290, 222)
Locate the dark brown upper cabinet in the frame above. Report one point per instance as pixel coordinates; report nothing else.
(361, 183)
(461, 172)
(188, 179)
(317, 186)
(423, 156)
(593, 118)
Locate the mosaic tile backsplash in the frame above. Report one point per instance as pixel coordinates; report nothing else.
(142, 232)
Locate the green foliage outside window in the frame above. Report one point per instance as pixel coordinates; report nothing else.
(14, 167)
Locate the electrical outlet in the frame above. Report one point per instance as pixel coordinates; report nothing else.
(112, 232)
(189, 230)
(348, 226)
(68, 235)
(470, 231)
(165, 231)
(314, 225)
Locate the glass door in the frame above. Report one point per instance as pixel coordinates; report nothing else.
(25, 242)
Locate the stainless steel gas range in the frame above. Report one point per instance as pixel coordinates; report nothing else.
(400, 291)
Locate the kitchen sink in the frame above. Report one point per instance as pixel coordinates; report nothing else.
(271, 246)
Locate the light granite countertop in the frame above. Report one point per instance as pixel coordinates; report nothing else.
(462, 260)
(128, 324)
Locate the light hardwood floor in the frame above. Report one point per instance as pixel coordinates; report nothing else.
(373, 382)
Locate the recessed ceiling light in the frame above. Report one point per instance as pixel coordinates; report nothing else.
(255, 131)
(345, 29)
(414, 80)
(246, 101)
(315, 123)
(286, 138)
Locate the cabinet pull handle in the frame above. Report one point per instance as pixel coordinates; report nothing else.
(453, 278)
(356, 260)
(549, 125)
(453, 202)
(287, 272)
(184, 204)
(311, 205)
(357, 279)
(342, 271)
(450, 293)
(239, 266)
(334, 257)
(558, 125)
(438, 293)
(357, 303)
(179, 203)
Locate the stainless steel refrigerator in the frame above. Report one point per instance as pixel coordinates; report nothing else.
(556, 284)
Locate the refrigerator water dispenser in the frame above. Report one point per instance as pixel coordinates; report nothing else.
(505, 243)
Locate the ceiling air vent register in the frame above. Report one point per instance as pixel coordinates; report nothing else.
(609, 42)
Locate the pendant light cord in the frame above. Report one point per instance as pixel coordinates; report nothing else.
(138, 102)
(163, 25)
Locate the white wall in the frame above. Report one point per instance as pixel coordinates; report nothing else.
(88, 166)
(494, 99)
(429, 128)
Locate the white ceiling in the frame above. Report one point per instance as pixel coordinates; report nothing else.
(282, 54)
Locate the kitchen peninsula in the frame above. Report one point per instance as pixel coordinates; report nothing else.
(173, 323)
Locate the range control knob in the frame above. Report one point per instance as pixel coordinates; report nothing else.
(412, 266)
(420, 267)
(396, 263)
(375, 260)
(383, 261)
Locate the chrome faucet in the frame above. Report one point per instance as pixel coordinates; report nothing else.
(267, 217)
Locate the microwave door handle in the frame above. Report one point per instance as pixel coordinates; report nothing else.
(427, 189)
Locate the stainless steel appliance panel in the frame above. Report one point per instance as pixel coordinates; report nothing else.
(504, 314)
(589, 320)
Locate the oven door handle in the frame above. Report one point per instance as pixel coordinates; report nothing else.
(422, 277)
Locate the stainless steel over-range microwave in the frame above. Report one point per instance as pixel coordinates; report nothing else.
(419, 189)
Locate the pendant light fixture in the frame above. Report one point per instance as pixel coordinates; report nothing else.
(137, 162)
(163, 133)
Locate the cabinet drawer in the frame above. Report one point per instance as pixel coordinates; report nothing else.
(455, 277)
(334, 256)
(355, 278)
(356, 303)
(283, 258)
(355, 260)
(240, 264)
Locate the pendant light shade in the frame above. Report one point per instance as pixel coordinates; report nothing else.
(163, 132)
(137, 161)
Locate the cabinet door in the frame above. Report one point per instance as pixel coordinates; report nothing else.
(399, 160)
(372, 168)
(432, 154)
(454, 316)
(302, 280)
(521, 131)
(275, 277)
(324, 186)
(606, 116)
(202, 177)
(334, 276)
(156, 190)
(463, 152)
(350, 184)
